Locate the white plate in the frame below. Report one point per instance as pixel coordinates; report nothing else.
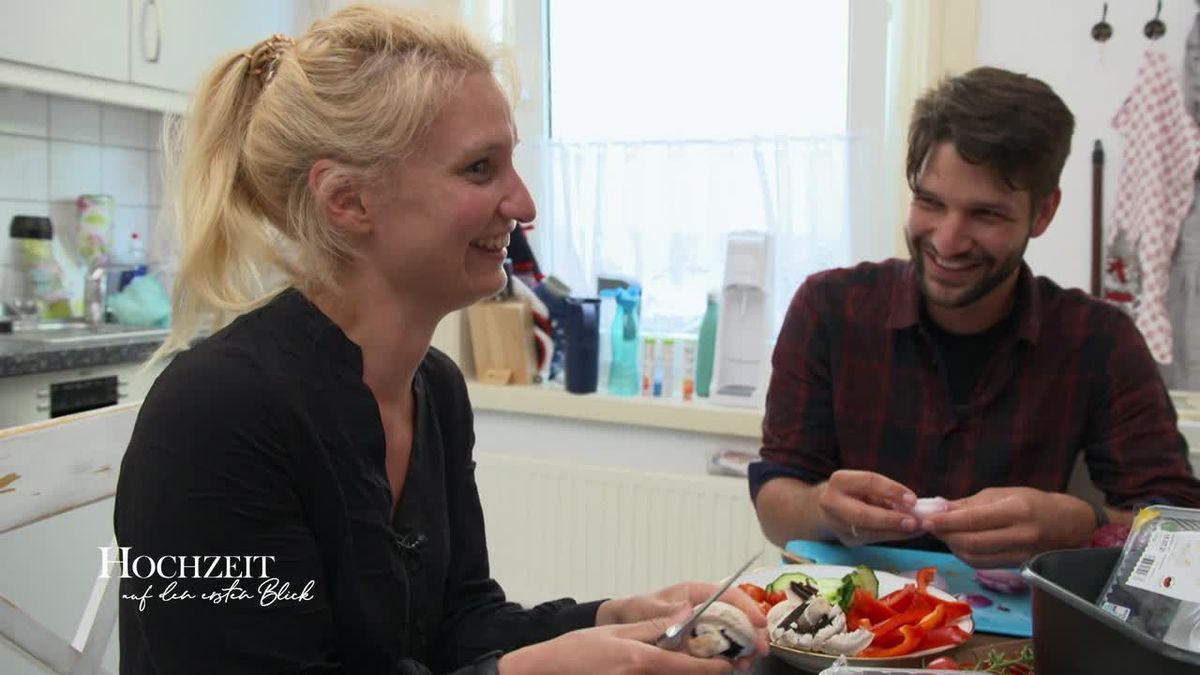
(887, 583)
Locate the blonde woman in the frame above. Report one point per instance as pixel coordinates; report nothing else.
(298, 495)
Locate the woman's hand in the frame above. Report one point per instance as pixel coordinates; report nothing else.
(620, 648)
(679, 600)
(673, 599)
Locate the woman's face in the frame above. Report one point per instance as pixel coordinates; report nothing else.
(440, 221)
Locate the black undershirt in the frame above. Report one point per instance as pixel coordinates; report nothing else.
(965, 356)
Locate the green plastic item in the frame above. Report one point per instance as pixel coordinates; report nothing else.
(707, 347)
(623, 377)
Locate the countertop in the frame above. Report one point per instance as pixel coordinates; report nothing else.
(22, 357)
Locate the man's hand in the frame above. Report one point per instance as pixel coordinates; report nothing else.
(863, 507)
(1004, 527)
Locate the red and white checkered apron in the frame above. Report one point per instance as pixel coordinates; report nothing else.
(1155, 187)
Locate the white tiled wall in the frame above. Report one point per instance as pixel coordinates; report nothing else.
(54, 149)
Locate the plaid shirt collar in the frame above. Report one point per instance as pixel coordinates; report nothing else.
(905, 303)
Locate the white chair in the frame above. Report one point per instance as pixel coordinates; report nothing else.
(47, 469)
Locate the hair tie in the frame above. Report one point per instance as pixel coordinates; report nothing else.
(264, 59)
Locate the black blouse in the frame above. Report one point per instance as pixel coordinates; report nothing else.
(263, 440)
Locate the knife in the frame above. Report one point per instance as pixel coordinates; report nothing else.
(673, 636)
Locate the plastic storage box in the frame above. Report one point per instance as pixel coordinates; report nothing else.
(1072, 635)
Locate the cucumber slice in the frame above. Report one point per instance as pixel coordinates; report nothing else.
(830, 588)
(865, 579)
(784, 579)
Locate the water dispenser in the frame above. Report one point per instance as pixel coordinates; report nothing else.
(741, 367)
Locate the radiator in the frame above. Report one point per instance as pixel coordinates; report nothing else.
(558, 529)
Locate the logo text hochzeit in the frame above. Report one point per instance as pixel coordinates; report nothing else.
(176, 568)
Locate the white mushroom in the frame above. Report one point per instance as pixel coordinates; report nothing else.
(807, 625)
(849, 644)
(780, 612)
(722, 630)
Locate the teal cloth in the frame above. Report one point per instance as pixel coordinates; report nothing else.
(142, 302)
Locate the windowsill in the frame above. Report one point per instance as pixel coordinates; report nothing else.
(696, 416)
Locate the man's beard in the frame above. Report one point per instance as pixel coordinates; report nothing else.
(972, 293)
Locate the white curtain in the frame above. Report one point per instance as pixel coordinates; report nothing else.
(927, 40)
(660, 211)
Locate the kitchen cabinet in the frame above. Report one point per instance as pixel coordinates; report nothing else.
(27, 398)
(173, 42)
(89, 37)
(146, 54)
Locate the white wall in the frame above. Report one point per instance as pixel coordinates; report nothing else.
(53, 149)
(1052, 41)
(601, 444)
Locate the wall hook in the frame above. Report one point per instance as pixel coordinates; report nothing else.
(1155, 28)
(1102, 31)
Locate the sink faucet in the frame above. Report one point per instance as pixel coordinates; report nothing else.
(95, 295)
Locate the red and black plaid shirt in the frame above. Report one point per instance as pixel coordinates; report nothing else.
(856, 385)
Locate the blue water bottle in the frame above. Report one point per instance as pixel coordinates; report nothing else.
(583, 344)
(623, 373)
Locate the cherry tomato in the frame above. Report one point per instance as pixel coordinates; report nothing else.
(756, 594)
(943, 663)
(776, 597)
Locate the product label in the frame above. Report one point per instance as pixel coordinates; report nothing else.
(1116, 610)
(1170, 566)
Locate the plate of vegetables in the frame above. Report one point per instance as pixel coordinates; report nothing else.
(817, 612)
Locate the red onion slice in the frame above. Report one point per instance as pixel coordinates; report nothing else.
(1002, 581)
(975, 600)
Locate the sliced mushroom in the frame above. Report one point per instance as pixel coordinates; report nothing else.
(722, 630)
(849, 644)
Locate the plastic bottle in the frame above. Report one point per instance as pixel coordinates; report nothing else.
(688, 386)
(707, 347)
(623, 373)
(135, 259)
(648, 368)
(34, 240)
(668, 368)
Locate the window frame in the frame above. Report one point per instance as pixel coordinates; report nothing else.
(527, 38)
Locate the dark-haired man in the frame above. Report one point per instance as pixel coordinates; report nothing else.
(959, 373)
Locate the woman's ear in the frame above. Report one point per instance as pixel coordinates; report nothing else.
(338, 194)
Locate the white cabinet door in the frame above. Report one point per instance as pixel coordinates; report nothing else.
(89, 37)
(174, 42)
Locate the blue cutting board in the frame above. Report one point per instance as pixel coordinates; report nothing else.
(1008, 614)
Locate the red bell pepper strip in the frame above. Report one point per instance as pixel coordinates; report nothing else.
(934, 619)
(924, 576)
(865, 606)
(955, 611)
(899, 600)
(911, 617)
(946, 635)
(912, 638)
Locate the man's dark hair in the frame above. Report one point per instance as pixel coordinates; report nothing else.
(1007, 121)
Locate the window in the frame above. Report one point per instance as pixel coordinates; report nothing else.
(660, 127)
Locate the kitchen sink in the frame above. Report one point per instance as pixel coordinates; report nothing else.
(65, 333)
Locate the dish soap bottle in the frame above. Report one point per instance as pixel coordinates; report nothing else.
(707, 347)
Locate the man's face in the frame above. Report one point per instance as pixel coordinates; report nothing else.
(967, 229)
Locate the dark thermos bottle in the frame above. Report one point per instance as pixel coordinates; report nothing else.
(583, 344)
